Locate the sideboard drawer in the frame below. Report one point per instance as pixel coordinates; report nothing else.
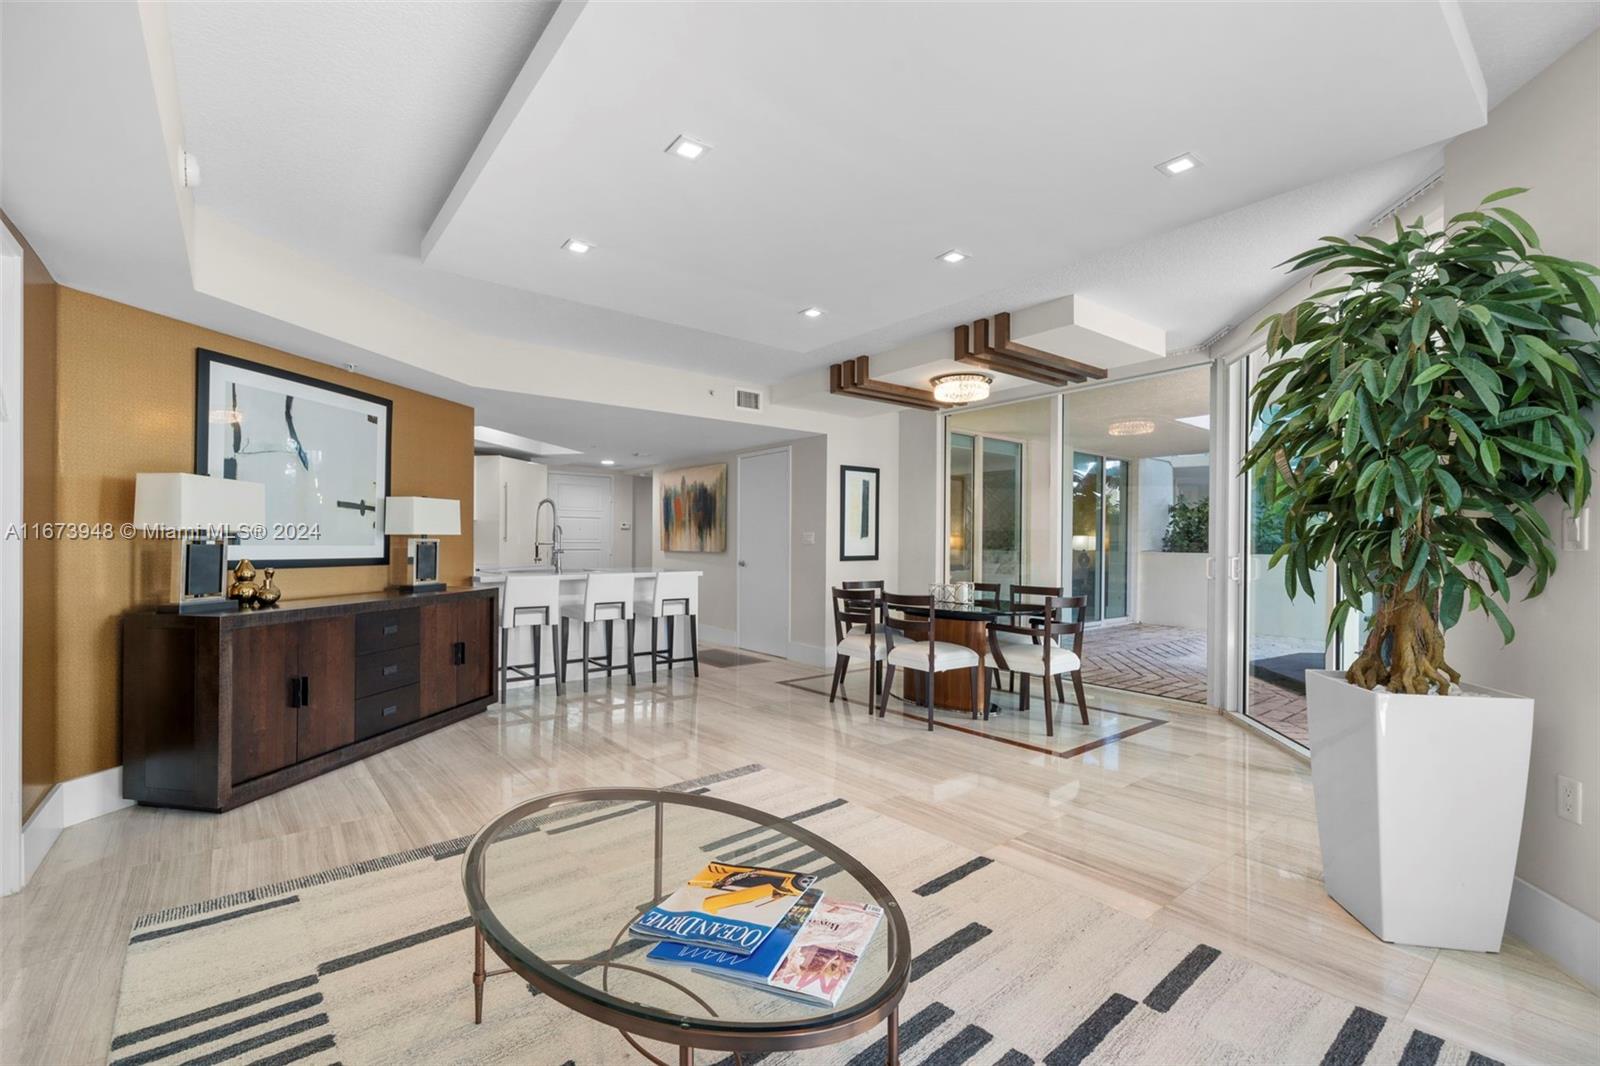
(381, 671)
(383, 712)
(381, 630)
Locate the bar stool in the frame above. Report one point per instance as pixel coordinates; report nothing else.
(607, 598)
(676, 596)
(531, 601)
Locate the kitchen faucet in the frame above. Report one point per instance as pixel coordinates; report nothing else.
(554, 543)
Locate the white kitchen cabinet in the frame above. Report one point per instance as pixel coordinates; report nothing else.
(506, 495)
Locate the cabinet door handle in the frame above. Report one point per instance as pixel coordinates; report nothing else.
(387, 711)
(391, 669)
(305, 691)
(294, 692)
(391, 629)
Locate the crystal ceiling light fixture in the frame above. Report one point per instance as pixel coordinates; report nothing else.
(1179, 164)
(1132, 427)
(961, 388)
(687, 148)
(576, 247)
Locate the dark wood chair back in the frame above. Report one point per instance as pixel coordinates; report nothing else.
(1056, 617)
(912, 617)
(854, 608)
(862, 585)
(986, 590)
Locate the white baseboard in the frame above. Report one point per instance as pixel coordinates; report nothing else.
(809, 654)
(1567, 935)
(91, 796)
(67, 804)
(40, 832)
(718, 635)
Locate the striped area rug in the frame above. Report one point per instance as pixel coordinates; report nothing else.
(371, 963)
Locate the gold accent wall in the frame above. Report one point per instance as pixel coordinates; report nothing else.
(125, 403)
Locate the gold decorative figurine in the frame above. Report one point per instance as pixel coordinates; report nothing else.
(268, 594)
(243, 588)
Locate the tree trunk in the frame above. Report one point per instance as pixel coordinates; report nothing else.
(1404, 650)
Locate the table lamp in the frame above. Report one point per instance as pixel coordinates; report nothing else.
(204, 514)
(421, 518)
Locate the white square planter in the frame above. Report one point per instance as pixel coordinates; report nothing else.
(1419, 807)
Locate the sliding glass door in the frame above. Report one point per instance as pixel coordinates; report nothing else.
(986, 494)
(1099, 546)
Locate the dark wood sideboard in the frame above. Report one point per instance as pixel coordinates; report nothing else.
(222, 709)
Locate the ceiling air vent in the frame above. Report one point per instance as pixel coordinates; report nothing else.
(748, 399)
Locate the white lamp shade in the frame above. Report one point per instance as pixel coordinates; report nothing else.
(421, 516)
(188, 502)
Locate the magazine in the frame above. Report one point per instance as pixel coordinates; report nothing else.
(755, 967)
(822, 957)
(731, 908)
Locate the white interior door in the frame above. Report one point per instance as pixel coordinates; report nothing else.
(762, 528)
(583, 503)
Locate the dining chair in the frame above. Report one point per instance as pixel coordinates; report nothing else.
(858, 634)
(1026, 601)
(990, 591)
(530, 601)
(916, 619)
(862, 585)
(608, 599)
(674, 596)
(1044, 658)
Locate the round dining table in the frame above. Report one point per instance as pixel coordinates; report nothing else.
(967, 624)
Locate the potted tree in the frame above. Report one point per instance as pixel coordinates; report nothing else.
(1416, 412)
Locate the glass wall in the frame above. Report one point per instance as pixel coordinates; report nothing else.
(1084, 549)
(998, 464)
(1283, 636)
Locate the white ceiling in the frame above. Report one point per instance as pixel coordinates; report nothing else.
(1162, 400)
(852, 142)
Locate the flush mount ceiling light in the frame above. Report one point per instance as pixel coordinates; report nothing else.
(961, 388)
(952, 256)
(608, 462)
(1180, 165)
(684, 148)
(812, 312)
(1131, 427)
(575, 246)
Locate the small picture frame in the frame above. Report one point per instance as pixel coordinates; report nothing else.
(859, 508)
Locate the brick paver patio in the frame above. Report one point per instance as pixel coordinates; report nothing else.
(1170, 661)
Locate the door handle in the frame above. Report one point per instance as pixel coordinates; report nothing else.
(391, 669)
(294, 692)
(305, 691)
(1211, 567)
(387, 711)
(741, 562)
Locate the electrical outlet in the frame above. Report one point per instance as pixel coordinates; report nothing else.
(1569, 799)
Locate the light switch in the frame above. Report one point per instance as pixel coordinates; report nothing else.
(808, 537)
(626, 527)
(1575, 531)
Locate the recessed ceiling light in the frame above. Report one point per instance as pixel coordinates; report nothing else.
(575, 246)
(684, 148)
(812, 312)
(952, 256)
(608, 462)
(1180, 165)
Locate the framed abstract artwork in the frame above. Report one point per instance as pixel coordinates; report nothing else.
(858, 513)
(694, 509)
(321, 450)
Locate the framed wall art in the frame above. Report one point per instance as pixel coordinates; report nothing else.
(858, 513)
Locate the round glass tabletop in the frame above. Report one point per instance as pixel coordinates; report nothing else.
(555, 883)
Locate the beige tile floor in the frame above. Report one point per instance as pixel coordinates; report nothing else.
(1195, 824)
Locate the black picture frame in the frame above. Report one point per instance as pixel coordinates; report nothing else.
(205, 360)
(874, 478)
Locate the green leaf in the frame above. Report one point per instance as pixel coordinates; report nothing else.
(1450, 486)
(1520, 223)
(1484, 382)
(1503, 194)
(1508, 632)
(1446, 310)
(1535, 451)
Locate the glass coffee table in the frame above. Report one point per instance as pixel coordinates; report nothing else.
(553, 884)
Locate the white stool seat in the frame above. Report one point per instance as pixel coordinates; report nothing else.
(1029, 659)
(946, 656)
(856, 646)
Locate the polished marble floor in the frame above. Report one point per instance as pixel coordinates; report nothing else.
(1191, 823)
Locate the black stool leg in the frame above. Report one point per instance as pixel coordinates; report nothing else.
(610, 642)
(694, 642)
(505, 642)
(538, 638)
(558, 645)
(586, 656)
(655, 652)
(670, 658)
(628, 625)
(927, 692)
